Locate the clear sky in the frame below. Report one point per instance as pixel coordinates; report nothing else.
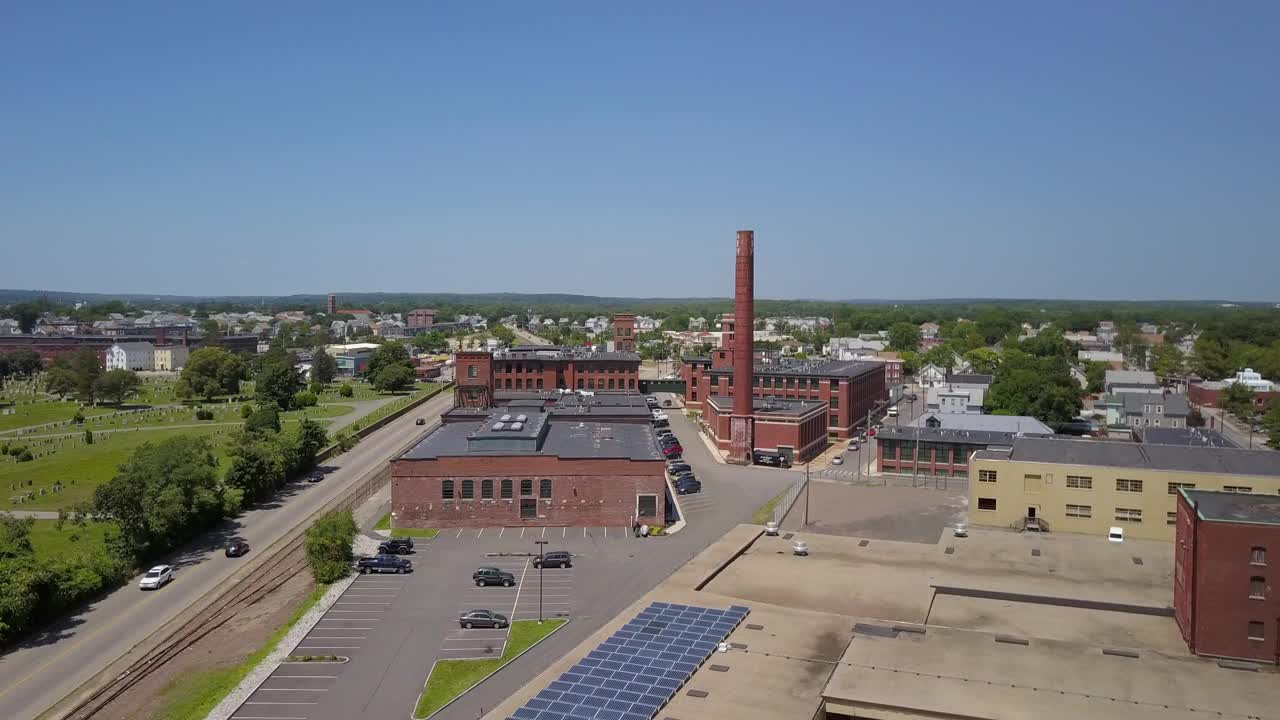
(880, 150)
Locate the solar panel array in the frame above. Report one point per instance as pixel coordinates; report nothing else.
(631, 675)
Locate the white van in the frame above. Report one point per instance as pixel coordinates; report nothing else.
(893, 411)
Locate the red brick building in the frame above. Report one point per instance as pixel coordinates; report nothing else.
(624, 333)
(1225, 595)
(548, 367)
(420, 318)
(795, 428)
(50, 347)
(535, 464)
(1207, 394)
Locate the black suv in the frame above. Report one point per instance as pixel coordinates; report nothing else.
(493, 576)
(555, 559)
(396, 546)
(383, 564)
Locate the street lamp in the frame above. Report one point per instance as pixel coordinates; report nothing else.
(541, 547)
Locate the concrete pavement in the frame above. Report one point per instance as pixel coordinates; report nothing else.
(46, 668)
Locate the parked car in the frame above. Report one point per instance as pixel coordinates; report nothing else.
(684, 477)
(383, 564)
(651, 401)
(668, 441)
(396, 546)
(237, 548)
(156, 578)
(493, 576)
(663, 432)
(676, 468)
(661, 423)
(555, 559)
(659, 416)
(689, 487)
(315, 476)
(853, 445)
(673, 452)
(420, 421)
(482, 619)
(837, 460)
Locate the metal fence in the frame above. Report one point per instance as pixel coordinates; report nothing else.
(788, 501)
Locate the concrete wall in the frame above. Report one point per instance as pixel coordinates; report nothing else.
(584, 492)
(1016, 489)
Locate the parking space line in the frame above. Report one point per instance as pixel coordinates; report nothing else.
(479, 533)
(564, 530)
(606, 533)
(584, 532)
(522, 531)
(459, 532)
(544, 531)
(501, 530)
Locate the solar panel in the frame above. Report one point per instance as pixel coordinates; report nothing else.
(633, 673)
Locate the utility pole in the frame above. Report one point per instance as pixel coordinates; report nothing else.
(541, 547)
(806, 493)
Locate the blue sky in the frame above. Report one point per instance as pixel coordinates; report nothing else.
(893, 150)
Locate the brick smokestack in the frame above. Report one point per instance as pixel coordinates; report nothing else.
(742, 422)
(333, 305)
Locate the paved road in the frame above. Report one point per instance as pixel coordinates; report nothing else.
(39, 673)
(394, 627)
(1234, 430)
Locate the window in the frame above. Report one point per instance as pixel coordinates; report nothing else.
(834, 402)
(1237, 488)
(1171, 518)
(591, 384)
(986, 503)
(1080, 511)
(835, 385)
(486, 489)
(508, 383)
(986, 476)
(1080, 482)
(526, 487)
(519, 383)
(1123, 485)
(834, 420)
(647, 506)
(1173, 487)
(581, 383)
(528, 509)
(446, 489)
(539, 381)
(468, 489)
(506, 489)
(631, 383)
(473, 372)
(1256, 631)
(544, 489)
(1257, 588)
(1132, 515)
(611, 384)
(1031, 477)
(1258, 556)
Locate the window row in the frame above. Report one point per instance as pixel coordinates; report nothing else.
(803, 383)
(467, 489)
(520, 384)
(591, 384)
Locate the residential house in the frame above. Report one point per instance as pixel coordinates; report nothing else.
(131, 356)
(1149, 410)
(698, 324)
(948, 399)
(1125, 381)
(9, 326)
(929, 330)
(1252, 380)
(171, 357)
(931, 375)
(847, 348)
(976, 381)
(1106, 332)
(1107, 356)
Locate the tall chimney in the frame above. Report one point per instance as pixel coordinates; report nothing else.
(333, 305)
(742, 422)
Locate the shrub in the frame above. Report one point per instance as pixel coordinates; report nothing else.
(346, 391)
(328, 546)
(317, 388)
(305, 399)
(246, 411)
(78, 418)
(25, 456)
(88, 437)
(204, 414)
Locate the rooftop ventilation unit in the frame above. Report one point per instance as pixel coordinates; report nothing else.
(517, 426)
(522, 418)
(499, 426)
(505, 418)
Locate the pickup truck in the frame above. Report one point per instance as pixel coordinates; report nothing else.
(383, 564)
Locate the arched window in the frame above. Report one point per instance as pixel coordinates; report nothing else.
(506, 489)
(545, 489)
(446, 489)
(486, 489)
(468, 489)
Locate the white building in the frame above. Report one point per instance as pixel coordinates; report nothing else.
(171, 357)
(131, 356)
(1251, 380)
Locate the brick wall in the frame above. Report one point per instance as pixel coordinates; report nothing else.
(584, 492)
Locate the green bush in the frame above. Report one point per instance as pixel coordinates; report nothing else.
(88, 437)
(306, 399)
(246, 411)
(346, 391)
(204, 414)
(78, 418)
(25, 456)
(328, 546)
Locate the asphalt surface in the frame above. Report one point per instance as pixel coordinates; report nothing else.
(416, 623)
(1235, 430)
(42, 671)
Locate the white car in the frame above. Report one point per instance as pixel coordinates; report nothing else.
(837, 460)
(156, 578)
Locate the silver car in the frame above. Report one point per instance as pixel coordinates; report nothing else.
(156, 578)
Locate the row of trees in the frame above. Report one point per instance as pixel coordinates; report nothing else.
(1034, 378)
(82, 377)
(21, 363)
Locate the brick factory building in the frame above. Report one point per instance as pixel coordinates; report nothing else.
(786, 395)
(1225, 597)
(420, 318)
(624, 333)
(545, 459)
(549, 367)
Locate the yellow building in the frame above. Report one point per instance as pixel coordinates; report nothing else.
(1089, 486)
(171, 357)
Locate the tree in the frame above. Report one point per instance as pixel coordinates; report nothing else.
(1131, 344)
(388, 354)
(392, 378)
(1209, 359)
(15, 537)
(265, 418)
(323, 367)
(346, 391)
(1096, 376)
(278, 382)
(504, 335)
(904, 336)
(1237, 399)
(328, 546)
(1041, 387)
(164, 494)
(1272, 423)
(257, 468)
(84, 363)
(983, 360)
(116, 385)
(1167, 360)
(60, 381)
(432, 342)
(24, 363)
(210, 372)
(27, 316)
(304, 399)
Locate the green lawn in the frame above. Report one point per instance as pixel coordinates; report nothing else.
(384, 523)
(194, 695)
(79, 467)
(765, 513)
(40, 413)
(451, 678)
(50, 542)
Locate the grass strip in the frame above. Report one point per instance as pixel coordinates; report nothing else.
(384, 523)
(451, 678)
(765, 513)
(195, 694)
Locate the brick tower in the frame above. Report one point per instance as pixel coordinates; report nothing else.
(742, 422)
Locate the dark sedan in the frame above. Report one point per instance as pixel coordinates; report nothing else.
(237, 548)
(689, 487)
(482, 619)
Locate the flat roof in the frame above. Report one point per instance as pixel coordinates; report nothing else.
(985, 423)
(770, 406)
(540, 435)
(561, 352)
(811, 368)
(1223, 461)
(1235, 507)
(1193, 437)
